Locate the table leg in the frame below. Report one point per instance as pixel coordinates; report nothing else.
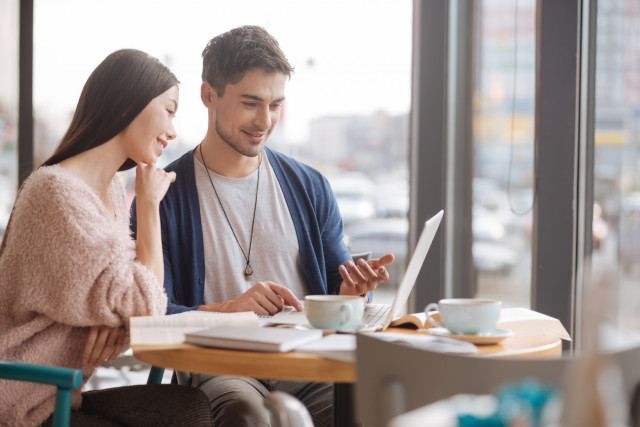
(343, 405)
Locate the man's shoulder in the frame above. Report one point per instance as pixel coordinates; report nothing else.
(287, 165)
(183, 162)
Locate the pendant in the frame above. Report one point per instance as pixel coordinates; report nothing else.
(248, 272)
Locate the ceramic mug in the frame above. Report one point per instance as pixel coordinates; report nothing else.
(334, 312)
(466, 316)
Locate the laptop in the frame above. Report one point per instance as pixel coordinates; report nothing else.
(379, 316)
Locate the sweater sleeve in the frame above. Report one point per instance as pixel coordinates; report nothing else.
(75, 263)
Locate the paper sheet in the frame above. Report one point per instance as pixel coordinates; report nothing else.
(523, 322)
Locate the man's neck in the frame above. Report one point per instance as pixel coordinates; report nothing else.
(224, 160)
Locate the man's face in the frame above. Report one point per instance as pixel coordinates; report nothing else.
(248, 111)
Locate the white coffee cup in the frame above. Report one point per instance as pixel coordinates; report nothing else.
(334, 312)
(466, 316)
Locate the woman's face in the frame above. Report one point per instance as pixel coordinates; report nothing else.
(150, 132)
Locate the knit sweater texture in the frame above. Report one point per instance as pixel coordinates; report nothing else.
(68, 265)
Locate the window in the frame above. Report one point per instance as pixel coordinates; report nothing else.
(503, 137)
(616, 210)
(347, 108)
(8, 108)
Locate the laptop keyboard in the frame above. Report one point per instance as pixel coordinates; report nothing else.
(374, 314)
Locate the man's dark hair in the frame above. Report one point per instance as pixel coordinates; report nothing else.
(227, 57)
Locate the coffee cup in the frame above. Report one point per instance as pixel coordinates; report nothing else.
(466, 316)
(334, 312)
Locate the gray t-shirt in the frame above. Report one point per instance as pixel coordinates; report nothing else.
(275, 254)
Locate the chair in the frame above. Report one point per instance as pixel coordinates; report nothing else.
(287, 411)
(155, 375)
(394, 378)
(63, 378)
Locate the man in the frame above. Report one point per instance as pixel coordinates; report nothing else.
(245, 228)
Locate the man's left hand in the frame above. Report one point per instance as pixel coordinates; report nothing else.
(365, 276)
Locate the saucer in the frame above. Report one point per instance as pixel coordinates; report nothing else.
(490, 338)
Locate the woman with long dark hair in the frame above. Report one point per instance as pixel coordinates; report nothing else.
(70, 274)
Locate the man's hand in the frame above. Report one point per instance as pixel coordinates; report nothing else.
(104, 343)
(264, 298)
(364, 277)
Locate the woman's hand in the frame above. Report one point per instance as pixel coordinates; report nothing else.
(104, 344)
(152, 183)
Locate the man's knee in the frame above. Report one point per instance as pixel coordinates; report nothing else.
(236, 401)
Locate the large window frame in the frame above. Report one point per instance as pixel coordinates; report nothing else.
(440, 147)
(565, 67)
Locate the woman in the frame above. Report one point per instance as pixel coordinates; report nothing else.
(71, 276)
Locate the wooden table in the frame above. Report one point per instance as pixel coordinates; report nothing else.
(310, 368)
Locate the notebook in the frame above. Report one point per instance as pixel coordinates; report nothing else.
(385, 313)
(253, 338)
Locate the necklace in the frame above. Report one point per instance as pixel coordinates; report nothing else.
(248, 271)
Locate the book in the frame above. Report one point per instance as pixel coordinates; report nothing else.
(411, 320)
(170, 329)
(522, 321)
(253, 338)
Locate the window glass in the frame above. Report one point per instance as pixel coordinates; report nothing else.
(347, 103)
(503, 135)
(616, 210)
(9, 43)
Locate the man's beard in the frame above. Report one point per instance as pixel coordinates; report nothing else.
(252, 151)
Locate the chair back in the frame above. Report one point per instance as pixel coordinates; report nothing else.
(394, 378)
(64, 379)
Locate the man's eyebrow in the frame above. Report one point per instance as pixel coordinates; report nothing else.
(259, 99)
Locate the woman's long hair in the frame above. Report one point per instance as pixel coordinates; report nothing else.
(115, 93)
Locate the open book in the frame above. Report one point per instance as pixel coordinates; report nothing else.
(170, 329)
(521, 321)
(411, 320)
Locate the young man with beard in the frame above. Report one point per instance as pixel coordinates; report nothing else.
(246, 228)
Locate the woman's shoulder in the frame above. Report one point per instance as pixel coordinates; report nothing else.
(46, 179)
(55, 186)
(51, 175)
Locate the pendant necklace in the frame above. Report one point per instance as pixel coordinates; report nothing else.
(248, 271)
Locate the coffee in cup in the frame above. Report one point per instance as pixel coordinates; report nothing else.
(334, 312)
(466, 316)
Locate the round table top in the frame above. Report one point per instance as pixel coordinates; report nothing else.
(307, 367)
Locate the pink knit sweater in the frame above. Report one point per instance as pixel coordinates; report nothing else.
(67, 265)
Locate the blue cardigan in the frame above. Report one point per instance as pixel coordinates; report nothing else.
(313, 208)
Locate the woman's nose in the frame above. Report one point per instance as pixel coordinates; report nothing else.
(171, 134)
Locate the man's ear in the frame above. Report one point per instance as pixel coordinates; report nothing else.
(208, 95)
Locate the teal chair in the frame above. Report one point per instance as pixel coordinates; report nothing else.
(64, 379)
(155, 375)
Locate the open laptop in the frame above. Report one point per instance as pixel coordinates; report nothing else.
(379, 316)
